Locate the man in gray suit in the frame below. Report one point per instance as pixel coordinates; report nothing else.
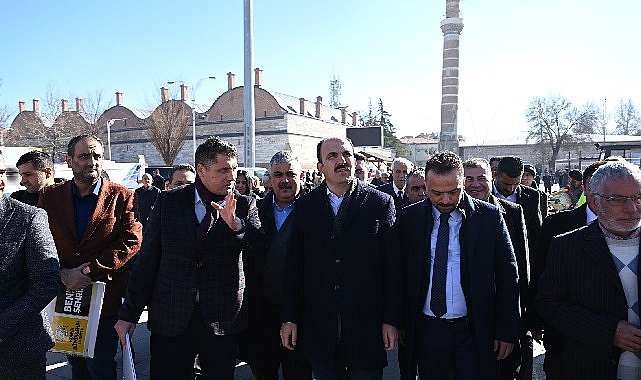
(30, 279)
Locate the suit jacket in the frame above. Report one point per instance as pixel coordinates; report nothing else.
(488, 274)
(515, 222)
(580, 293)
(399, 202)
(354, 272)
(273, 266)
(171, 267)
(553, 225)
(29, 280)
(113, 236)
(530, 200)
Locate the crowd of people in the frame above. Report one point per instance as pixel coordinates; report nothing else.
(318, 274)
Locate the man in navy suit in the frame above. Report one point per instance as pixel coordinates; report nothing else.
(396, 188)
(265, 290)
(477, 173)
(189, 270)
(461, 292)
(342, 294)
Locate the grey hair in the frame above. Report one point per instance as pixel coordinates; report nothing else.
(283, 156)
(404, 161)
(621, 169)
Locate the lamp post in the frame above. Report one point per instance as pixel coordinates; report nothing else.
(110, 122)
(193, 109)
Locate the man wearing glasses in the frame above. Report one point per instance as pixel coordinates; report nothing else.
(553, 225)
(589, 288)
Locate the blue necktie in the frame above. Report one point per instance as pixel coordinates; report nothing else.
(439, 271)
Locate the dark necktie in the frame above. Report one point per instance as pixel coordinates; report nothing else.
(203, 227)
(400, 195)
(439, 271)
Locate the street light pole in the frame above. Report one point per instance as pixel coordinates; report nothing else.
(193, 110)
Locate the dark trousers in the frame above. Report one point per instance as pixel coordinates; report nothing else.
(172, 358)
(102, 366)
(406, 364)
(552, 367)
(518, 364)
(268, 354)
(338, 370)
(446, 349)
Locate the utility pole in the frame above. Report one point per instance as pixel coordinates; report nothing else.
(248, 89)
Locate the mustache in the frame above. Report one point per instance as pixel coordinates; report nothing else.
(286, 185)
(341, 166)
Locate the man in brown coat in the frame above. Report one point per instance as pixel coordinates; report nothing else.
(95, 231)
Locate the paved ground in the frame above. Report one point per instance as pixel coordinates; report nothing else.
(58, 368)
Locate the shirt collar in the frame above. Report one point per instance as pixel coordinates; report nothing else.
(396, 189)
(287, 207)
(455, 215)
(96, 189)
(610, 235)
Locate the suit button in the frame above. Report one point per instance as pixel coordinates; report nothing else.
(338, 261)
(336, 287)
(199, 264)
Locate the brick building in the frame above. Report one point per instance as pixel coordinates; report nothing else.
(283, 122)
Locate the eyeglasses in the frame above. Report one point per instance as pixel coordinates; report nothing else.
(620, 200)
(359, 171)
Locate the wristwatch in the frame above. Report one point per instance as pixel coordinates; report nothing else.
(242, 229)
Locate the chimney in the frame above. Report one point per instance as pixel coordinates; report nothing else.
(184, 92)
(21, 106)
(118, 98)
(354, 118)
(319, 103)
(303, 106)
(343, 114)
(80, 108)
(259, 77)
(65, 105)
(164, 94)
(36, 105)
(231, 80)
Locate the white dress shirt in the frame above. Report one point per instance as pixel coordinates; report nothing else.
(454, 297)
(511, 197)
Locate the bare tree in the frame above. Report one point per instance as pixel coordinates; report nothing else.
(555, 122)
(49, 129)
(94, 105)
(4, 116)
(168, 126)
(628, 119)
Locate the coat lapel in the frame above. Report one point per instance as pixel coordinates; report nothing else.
(596, 247)
(105, 200)
(469, 229)
(358, 202)
(6, 211)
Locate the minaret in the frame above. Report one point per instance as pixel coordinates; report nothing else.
(451, 27)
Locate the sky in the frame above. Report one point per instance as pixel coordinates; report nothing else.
(511, 51)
